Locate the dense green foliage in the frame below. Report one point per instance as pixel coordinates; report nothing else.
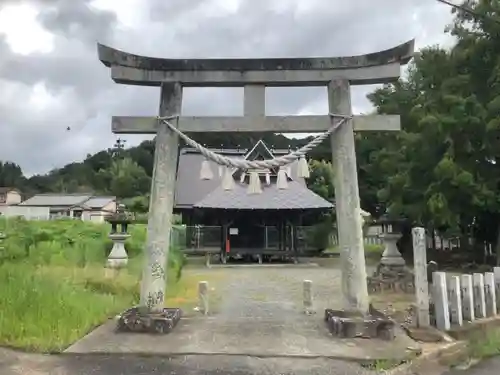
(54, 288)
(442, 169)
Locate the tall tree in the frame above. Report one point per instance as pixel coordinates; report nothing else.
(126, 178)
(442, 168)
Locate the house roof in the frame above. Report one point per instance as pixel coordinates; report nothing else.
(62, 201)
(295, 197)
(192, 192)
(98, 202)
(58, 200)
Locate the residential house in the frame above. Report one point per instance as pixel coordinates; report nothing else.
(79, 206)
(9, 196)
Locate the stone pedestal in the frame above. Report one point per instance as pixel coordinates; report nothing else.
(391, 273)
(391, 257)
(118, 257)
(2, 238)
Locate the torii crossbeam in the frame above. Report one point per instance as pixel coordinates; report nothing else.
(336, 73)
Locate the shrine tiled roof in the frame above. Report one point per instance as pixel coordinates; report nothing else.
(295, 197)
(191, 192)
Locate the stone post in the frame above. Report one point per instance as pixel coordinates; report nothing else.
(496, 272)
(349, 223)
(490, 294)
(203, 297)
(307, 296)
(154, 276)
(455, 300)
(440, 298)
(467, 297)
(479, 300)
(421, 282)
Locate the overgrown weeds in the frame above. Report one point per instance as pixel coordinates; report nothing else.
(53, 284)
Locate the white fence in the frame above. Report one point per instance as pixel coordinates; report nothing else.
(456, 299)
(368, 240)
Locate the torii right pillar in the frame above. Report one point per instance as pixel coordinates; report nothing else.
(347, 203)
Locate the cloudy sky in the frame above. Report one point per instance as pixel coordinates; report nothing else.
(50, 77)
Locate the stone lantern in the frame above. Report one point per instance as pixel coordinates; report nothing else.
(392, 272)
(119, 221)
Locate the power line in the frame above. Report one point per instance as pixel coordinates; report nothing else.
(469, 11)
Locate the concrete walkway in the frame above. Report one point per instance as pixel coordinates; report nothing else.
(31, 364)
(258, 312)
(12, 363)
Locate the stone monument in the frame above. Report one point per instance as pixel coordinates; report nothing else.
(118, 257)
(337, 74)
(392, 272)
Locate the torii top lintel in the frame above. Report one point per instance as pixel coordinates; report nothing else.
(372, 68)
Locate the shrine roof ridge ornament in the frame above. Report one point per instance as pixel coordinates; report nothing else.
(377, 67)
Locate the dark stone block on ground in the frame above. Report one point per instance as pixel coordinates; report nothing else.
(136, 320)
(375, 325)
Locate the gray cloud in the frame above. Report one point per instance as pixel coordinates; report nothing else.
(86, 97)
(76, 19)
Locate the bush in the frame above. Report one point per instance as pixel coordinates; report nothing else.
(374, 252)
(54, 288)
(67, 241)
(320, 235)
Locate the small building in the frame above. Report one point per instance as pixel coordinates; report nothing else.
(273, 222)
(9, 196)
(78, 206)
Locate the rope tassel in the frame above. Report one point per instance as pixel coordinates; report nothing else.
(303, 168)
(268, 178)
(205, 171)
(254, 184)
(282, 180)
(227, 179)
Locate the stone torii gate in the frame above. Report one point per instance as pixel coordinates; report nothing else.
(254, 75)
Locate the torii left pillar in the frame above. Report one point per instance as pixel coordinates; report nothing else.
(154, 275)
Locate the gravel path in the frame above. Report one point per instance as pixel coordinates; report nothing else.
(274, 293)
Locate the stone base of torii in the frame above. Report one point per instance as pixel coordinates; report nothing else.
(337, 74)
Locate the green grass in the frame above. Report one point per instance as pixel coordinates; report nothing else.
(485, 344)
(54, 288)
(371, 251)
